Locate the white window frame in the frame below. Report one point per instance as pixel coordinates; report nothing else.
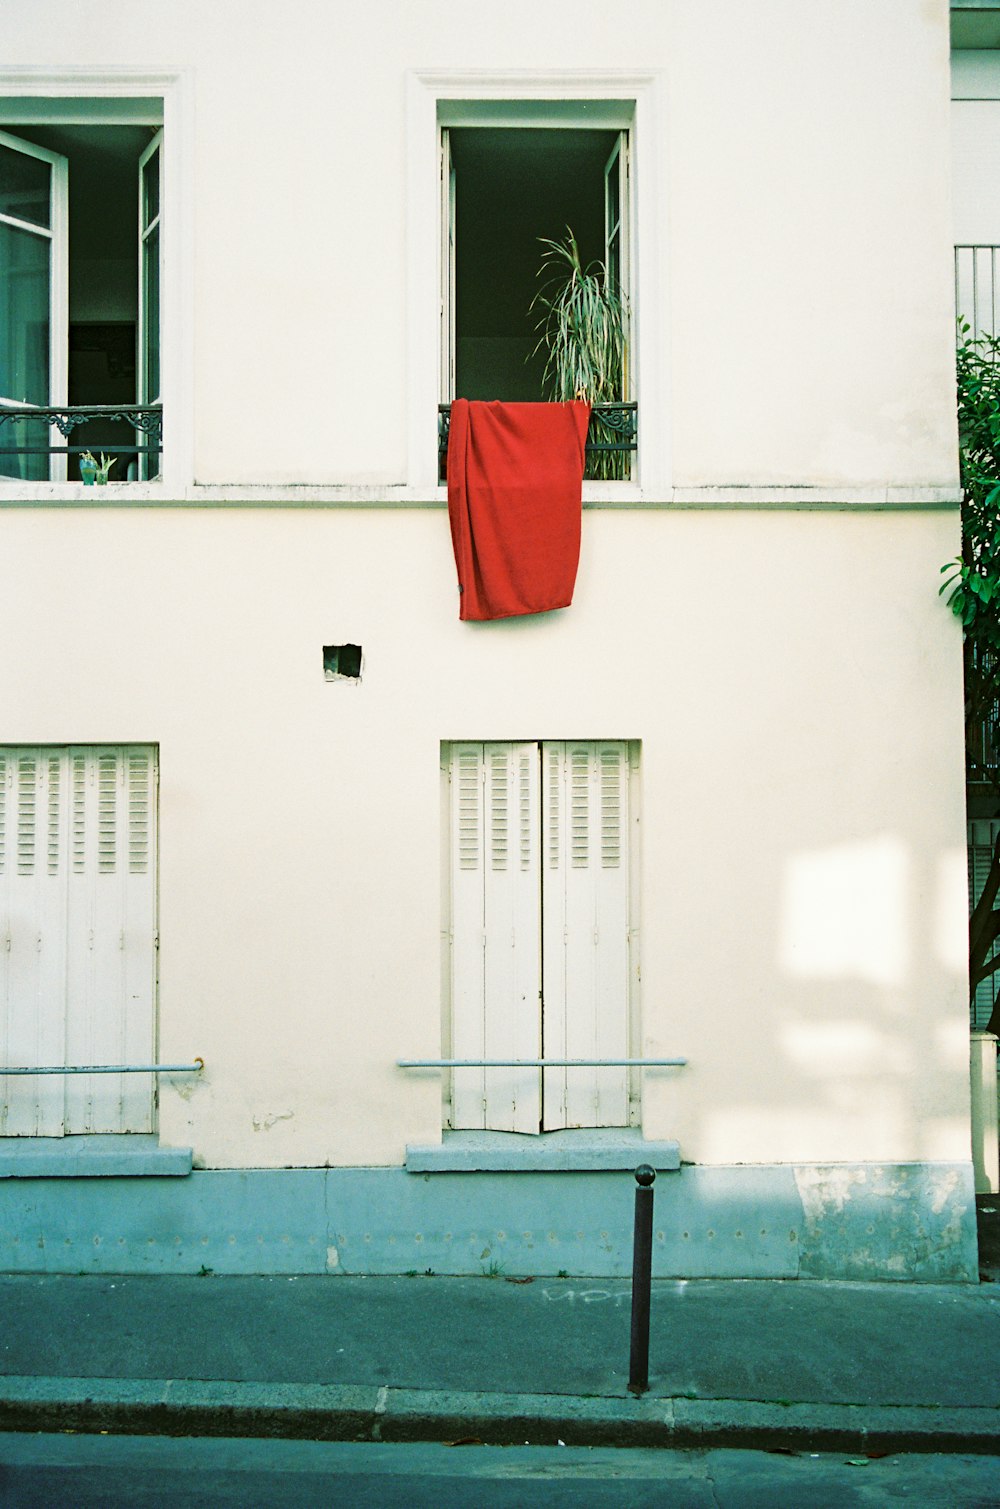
(610, 100)
(120, 96)
(57, 235)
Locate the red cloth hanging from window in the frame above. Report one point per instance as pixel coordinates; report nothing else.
(515, 473)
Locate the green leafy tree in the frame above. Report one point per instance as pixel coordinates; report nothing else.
(972, 589)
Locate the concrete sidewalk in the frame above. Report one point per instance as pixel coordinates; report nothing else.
(818, 1366)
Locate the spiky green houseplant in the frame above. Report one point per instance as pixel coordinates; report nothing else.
(583, 328)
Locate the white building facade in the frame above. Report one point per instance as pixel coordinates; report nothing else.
(273, 816)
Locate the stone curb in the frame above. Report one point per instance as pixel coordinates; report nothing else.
(336, 1412)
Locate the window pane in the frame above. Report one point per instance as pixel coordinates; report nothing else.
(24, 316)
(32, 435)
(151, 313)
(24, 187)
(150, 190)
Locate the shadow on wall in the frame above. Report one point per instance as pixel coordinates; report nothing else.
(862, 1032)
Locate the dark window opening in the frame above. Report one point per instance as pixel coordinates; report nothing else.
(342, 662)
(512, 186)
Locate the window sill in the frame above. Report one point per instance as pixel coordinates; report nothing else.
(114, 1155)
(583, 1150)
(13, 491)
(611, 496)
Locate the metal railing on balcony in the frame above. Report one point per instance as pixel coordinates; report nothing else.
(612, 439)
(983, 733)
(28, 447)
(977, 288)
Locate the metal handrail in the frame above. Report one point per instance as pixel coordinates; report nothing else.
(621, 417)
(540, 1063)
(194, 1068)
(147, 419)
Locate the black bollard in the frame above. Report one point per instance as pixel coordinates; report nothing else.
(642, 1267)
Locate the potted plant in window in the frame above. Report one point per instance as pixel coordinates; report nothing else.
(92, 470)
(583, 327)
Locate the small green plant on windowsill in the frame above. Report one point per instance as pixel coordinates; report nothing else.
(92, 470)
(583, 327)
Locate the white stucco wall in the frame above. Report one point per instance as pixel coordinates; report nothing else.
(791, 674)
(795, 687)
(801, 200)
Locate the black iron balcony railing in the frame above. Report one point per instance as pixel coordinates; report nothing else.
(145, 420)
(982, 752)
(612, 439)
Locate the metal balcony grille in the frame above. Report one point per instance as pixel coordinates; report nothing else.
(26, 435)
(977, 288)
(983, 736)
(612, 439)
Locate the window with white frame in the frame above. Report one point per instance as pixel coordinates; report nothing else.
(81, 257)
(77, 936)
(542, 931)
(507, 190)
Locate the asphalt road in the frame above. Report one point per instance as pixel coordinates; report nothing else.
(138, 1472)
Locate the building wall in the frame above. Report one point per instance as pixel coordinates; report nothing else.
(802, 902)
(761, 614)
(796, 223)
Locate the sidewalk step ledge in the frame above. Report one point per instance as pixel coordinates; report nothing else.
(336, 1412)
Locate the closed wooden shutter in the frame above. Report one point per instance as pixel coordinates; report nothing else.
(32, 939)
(77, 970)
(539, 944)
(495, 933)
(111, 921)
(585, 931)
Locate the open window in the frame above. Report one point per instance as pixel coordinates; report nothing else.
(81, 255)
(542, 931)
(505, 188)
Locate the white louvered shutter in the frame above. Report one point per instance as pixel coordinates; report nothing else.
(982, 836)
(111, 921)
(495, 933)
(32, 939)
(585, 931)
(77, 942)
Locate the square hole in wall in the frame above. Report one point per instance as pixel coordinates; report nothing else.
(342, 662)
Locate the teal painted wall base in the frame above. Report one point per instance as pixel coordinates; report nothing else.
(864, 1221)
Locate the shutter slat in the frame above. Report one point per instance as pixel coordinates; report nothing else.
(54, 845)
(138, 812)
(107, 786)
(27, 767)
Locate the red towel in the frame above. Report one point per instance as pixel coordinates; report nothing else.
(515, 472)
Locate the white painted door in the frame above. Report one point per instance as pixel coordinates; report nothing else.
(539, 931)
(77, 936)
